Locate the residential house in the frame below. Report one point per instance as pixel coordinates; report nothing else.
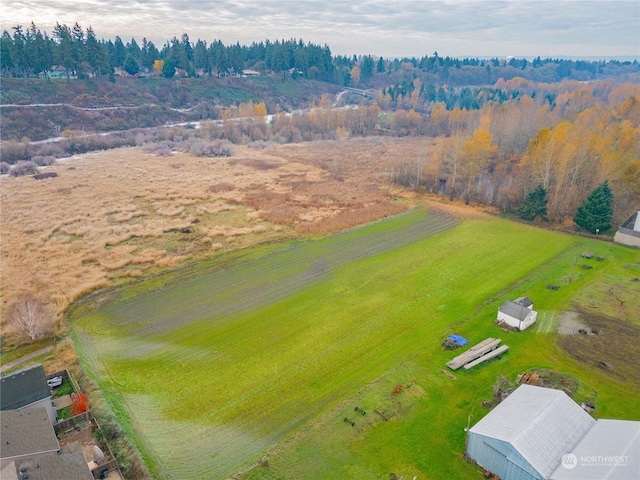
(518, 314)
(27, 388)
(57, 72)
(30, 450)
(26, 433)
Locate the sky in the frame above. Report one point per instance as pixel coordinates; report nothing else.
(387, 28)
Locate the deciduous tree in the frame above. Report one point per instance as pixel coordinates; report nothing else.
(31, 317)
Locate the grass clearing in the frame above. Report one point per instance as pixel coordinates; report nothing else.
(271, 383)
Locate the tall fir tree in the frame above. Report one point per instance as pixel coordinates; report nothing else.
(535, 205)
(594, 215)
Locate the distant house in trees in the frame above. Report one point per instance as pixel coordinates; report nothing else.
(57, 72)
(27, 388)
(629, 231)
(517, 314)
(119, 72)
(250, 73)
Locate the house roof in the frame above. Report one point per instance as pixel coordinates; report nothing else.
(524, 301)
(609, 450)
(632, 222)
(70, 466)
(26, 432)
(515, 310)
(23, 387)
(542, 424)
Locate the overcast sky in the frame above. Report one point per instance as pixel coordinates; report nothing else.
(388, 28)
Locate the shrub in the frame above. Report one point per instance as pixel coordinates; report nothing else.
(43, 161)
(23, 168)
(4, 167)
(42, 176)
(215, 148)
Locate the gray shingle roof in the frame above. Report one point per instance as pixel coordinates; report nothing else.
(26, 432)
(70, 466)
(542, 424)
(23, 387)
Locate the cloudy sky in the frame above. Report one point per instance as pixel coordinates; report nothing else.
(389, 28)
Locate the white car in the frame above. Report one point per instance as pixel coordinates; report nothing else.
(54, 382)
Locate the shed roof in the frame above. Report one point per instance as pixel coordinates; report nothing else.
(26, 432)
(23, 387)
(609, 450)
(524, 301)
(541, 423)
(515, 310)
(70, 466)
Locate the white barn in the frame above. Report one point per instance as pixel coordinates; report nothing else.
(526, 436)
(518, 314)
(629, 231)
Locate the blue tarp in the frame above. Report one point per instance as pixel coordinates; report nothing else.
(458, 339)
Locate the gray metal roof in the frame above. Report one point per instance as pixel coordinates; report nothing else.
(609, 450)
(23, 387)
(541, 423)
(69, 466)
(515, 310)
(26, 432)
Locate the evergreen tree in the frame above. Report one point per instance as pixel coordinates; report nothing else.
(535, 205)
(96, 55)
(169, 68)
(130, 65)
(594, 215)
(119, 53)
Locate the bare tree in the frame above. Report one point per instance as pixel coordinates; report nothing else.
(31, 317)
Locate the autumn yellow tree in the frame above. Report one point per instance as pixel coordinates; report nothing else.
(157, 67)
(477, 154)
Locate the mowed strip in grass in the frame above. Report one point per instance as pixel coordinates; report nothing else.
(210, 396)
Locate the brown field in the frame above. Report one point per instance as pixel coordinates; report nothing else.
(112, 215)
(606, 343)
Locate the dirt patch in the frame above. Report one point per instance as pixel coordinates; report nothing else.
(570, 325)
(613, 347)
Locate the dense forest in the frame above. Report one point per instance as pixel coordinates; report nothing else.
(30, 52)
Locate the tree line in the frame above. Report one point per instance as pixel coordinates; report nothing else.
(28, 52)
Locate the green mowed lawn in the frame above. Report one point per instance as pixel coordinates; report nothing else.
(209, 394)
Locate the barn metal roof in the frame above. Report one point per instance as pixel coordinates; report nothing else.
(542, 424)
(609, 450)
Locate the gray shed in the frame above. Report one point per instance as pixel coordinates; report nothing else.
(525, 436)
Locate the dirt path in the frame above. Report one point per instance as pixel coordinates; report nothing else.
(25, 358)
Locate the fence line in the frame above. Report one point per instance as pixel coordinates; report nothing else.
(68, 423)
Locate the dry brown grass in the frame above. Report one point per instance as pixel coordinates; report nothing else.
(112, 215)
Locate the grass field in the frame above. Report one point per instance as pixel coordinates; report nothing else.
(252, 366)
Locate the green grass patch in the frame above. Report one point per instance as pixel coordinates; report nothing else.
(65, 389)
(63, 414)
(266, 352)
